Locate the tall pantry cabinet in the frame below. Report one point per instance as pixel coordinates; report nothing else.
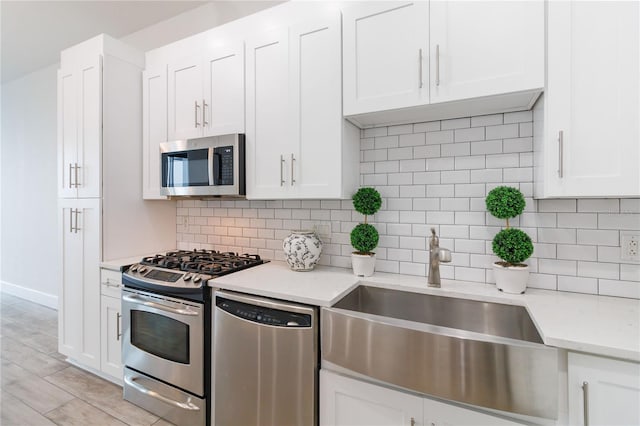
(101, 213)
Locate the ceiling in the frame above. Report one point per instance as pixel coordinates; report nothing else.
(34, 32)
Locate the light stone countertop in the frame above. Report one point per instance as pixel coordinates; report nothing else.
(602, 325)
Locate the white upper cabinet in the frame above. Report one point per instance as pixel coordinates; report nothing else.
(154, 129)
(80, 128)
(607, 391)
(185, 99)
(485, 48)
(409, 61)
(223, 101)
(298, 144)
(386, 48)
(587, 139)
(267, 137)
(206, 92)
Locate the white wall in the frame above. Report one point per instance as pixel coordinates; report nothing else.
(29, 222)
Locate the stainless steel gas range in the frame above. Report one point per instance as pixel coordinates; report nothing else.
(166, 311)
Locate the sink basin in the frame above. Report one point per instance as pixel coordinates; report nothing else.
(479, 353)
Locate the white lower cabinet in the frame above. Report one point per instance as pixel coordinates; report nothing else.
(603, 391)
(350, 402)
(79, 295)
(110, 334)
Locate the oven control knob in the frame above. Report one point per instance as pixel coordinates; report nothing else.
(187, 276)
(142, 269)
(197, 279)
(134, 267)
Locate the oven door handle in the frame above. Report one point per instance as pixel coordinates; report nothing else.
(140, 301)
(188, 405)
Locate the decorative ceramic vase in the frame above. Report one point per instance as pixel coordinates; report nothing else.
(363, 264)
(302, 249)
(511, 279)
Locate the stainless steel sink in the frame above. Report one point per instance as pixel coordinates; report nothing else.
(479, 353)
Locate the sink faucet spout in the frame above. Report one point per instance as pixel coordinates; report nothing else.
(437, 254)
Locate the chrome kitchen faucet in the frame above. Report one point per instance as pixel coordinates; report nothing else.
(436, 255)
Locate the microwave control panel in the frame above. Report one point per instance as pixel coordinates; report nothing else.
(223, 165)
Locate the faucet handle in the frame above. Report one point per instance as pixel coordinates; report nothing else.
(444, 255)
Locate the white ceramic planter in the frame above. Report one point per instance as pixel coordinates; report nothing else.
(302, 250)
(363, 264)
(511, 279)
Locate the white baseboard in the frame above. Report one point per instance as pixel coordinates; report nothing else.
(29, 294)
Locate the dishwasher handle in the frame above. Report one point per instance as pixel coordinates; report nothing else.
(263, 315)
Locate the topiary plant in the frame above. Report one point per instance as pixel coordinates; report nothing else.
(511, 245)
(364, 237)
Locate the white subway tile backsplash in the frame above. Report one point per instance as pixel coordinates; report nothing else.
(414, 139)
(467, 135)
(486, 120)
(456, 123)
(429, 126)
(578, 284)
(518, 117)
(437, 174)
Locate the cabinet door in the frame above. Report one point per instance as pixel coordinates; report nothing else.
(185, 99)
(611, 395)
(441, 414)
(67, 132)
(349, 402)
(89, 171)
(223, 103)
(592, 99)
(79, 295)
(268, 121)
(485, 48)
(110, 333)
(316, 119)
(154, 130)
(385, 56)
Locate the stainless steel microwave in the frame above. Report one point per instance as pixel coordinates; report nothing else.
(204, 167)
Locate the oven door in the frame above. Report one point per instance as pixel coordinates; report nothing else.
(164, 338)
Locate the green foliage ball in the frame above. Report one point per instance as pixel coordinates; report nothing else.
(505, 202)
(512, 245)
(364, 238)
(367, 201)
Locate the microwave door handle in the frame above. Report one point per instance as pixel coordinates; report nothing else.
(212, 166)
(217, 168)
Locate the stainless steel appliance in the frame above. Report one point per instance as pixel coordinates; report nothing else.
(167, 310)
(266, 362)
(212, 166)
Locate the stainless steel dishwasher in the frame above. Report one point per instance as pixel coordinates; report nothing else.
(265, 362)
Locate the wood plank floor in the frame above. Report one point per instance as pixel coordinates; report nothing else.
(38, 387)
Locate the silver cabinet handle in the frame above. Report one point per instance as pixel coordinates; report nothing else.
(420, 67)
(437, 65)
(585, 401)
(70, 180)
(188, 405)
(111, 283)
(138, 300)
(77, 212)
(76, 167)
(281, 170)
(560, 153)
(71, 220)
(292, 179)
(118, 334)
(204, 118)
(196, 113)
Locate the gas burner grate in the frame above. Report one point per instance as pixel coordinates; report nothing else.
(210, 262)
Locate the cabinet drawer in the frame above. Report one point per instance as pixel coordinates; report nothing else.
(110, 282)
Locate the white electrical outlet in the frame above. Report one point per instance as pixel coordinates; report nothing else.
(630, 247)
